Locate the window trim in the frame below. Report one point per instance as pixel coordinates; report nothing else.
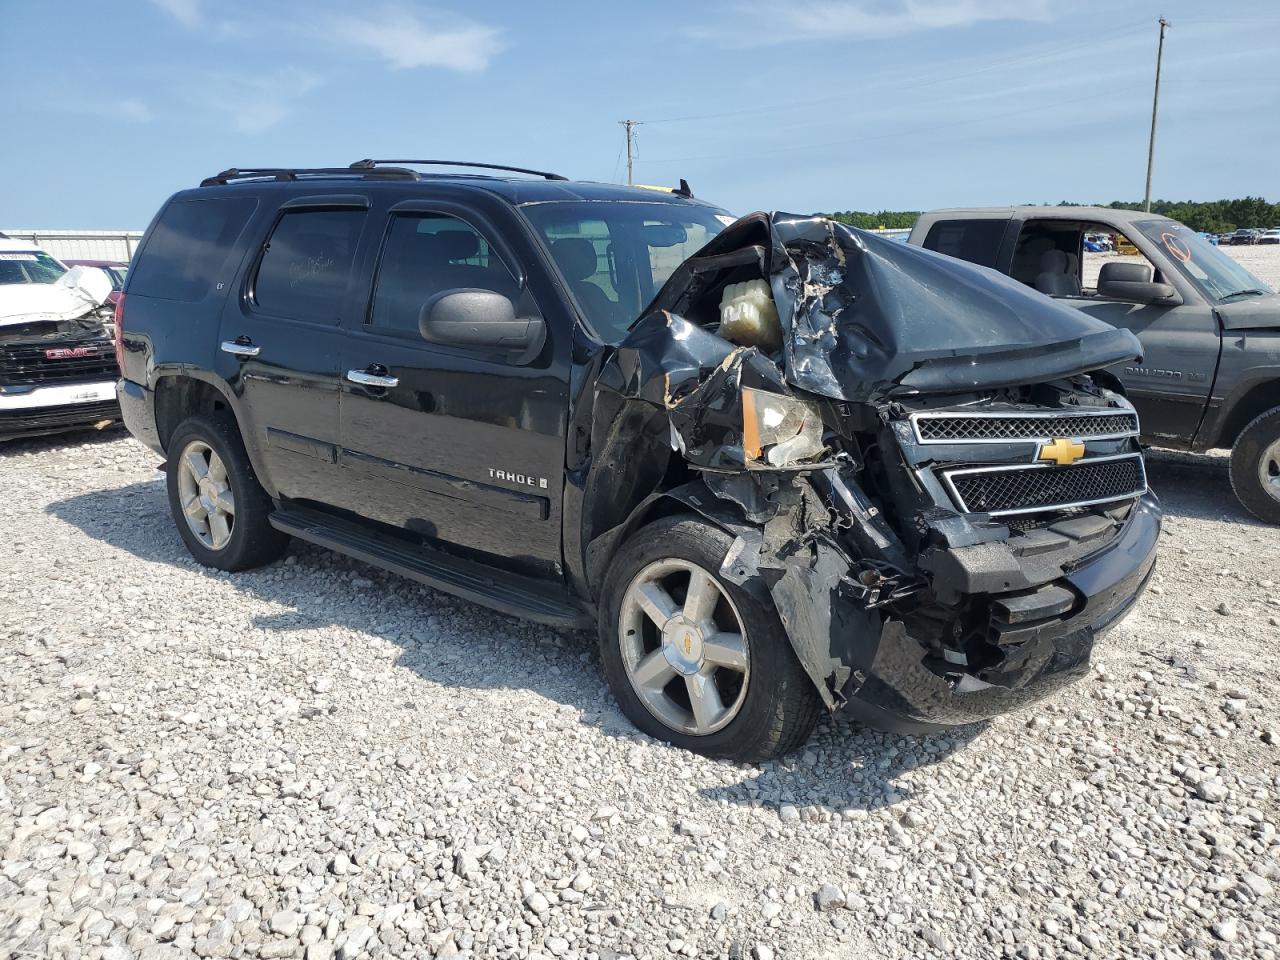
(248, 293)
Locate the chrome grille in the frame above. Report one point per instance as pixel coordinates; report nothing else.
(997, 428)
(1031, 488)
(31, 363)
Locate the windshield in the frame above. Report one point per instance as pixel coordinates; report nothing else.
(1210, 270)
(29, 266)
(616, 254)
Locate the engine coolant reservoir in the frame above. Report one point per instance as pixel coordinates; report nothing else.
(748, 316)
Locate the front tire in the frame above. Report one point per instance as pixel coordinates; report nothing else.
(1255, 466)
(218, 505)
(695, 660)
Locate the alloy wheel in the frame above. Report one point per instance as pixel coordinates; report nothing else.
(684, 647)
(204, 490)
(1269, 470)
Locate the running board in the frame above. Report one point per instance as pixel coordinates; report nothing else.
(499, 590)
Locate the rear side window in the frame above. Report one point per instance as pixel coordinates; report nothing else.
(426, 254)
(188, 247)
(306, 264)
(977, 241)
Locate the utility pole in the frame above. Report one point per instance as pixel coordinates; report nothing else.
(630, 125)
(1155, 106)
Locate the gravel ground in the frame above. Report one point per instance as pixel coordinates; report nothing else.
(319, 759)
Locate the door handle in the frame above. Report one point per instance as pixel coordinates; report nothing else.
(241, 347)
(370, 379)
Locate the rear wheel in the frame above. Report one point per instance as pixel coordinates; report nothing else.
(1255, 466)
(696, 660)
(218, 505)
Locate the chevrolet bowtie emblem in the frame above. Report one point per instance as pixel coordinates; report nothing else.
(1062, 451)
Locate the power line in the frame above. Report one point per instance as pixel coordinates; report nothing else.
(909, 131)
(924, 80)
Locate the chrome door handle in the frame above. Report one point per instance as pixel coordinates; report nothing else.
(240, 348)
(372, 379)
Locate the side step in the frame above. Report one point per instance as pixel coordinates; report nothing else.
(508, 593)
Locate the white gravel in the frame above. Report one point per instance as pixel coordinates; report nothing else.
(320, 760)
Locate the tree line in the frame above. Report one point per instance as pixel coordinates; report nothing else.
(1210, 216)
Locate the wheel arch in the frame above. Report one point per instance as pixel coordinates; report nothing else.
(692, 498)
(1254, 400)
(181, 395)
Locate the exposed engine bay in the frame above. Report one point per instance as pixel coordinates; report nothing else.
(943, 528)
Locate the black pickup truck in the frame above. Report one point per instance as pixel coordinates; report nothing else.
(769, 458)
(1210, 330)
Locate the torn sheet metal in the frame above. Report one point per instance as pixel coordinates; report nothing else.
(865, 317)
(698, 378)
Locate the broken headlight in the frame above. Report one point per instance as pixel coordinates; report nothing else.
(778, 430)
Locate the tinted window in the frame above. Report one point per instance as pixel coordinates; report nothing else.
(426, 254)
(188, 247)
(977, 241)
(306, 264)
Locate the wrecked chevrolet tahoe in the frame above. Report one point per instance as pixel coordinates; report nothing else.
(782, 466)
(57, 369)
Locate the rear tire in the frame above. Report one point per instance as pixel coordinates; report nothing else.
(721, 647)
(218, 505)
(1255, 466)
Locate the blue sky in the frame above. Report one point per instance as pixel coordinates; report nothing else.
(837, 104)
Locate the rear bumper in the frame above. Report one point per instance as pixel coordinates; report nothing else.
(53, 409)
(902, 693)
(137, 407)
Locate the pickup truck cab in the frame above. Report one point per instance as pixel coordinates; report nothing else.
(727, 444)
(1210, 330)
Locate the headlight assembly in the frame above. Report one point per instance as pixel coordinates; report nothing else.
(777, 430)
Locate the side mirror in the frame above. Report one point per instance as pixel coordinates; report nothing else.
(1132, 281)
(90, 284)
(480, 319)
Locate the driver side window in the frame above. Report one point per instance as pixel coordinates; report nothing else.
(1102, 245)
(426, 254)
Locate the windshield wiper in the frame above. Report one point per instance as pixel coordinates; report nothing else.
(1250, 292)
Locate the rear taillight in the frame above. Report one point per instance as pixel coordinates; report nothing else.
(119, 334)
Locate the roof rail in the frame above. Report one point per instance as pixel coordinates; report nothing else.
(372, 164)
(294, 173)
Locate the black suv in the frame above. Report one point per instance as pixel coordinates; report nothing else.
(784, 465)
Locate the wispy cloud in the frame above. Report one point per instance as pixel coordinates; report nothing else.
(255, 104)
(129, 109)
(186, 12)
(761, 22)
(405, 40)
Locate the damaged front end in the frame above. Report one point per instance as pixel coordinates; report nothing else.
(941, 502)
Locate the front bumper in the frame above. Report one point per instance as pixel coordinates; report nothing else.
(901, 693)
(53, 409)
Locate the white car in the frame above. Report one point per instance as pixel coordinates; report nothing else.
(1269, 236)
(57, 357)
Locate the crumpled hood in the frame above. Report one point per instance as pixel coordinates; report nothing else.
(38, 302)
(864, 316)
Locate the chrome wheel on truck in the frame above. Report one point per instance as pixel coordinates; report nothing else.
(687, 660)
(220, 509)
(695, 659)
(208, 502)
